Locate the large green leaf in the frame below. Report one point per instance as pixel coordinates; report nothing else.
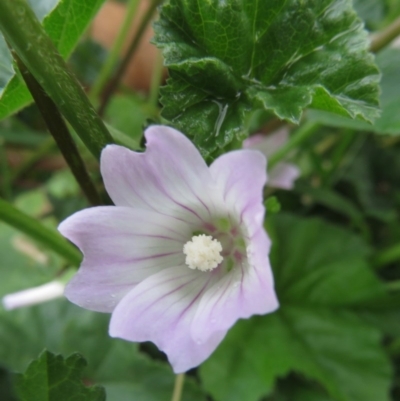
(64, 21)
(323, 281)
(117, 365)
(52, 378)
(228, 59)
(389, 122)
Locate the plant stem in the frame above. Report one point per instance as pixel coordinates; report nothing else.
(28, 38)
(178, 387)
(383, 38)
(299, 136)
(45, 235)
(43, 150)
(338, 155)
(115, 51)
(58, 129)
(156, 78)
(5, 171)
(387, 256)
(114, 83)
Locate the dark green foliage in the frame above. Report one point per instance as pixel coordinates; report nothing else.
(53, 378)
(228, 59)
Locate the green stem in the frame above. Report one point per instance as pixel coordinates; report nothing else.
(298, 137)
(114, 83)
(156, 78)
(338, 155)
(28, 38)
(42, 150)
(387, 256)
(47, 236)
(178, 387)
(382, 39)
(58, 129)
(115, 51)
(5, 171)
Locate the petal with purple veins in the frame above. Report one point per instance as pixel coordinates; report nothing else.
(121, 246)
(242, 175)
(161, 310)
(248, 289)
(170, 177)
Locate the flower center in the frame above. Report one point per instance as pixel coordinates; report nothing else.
(203, 252)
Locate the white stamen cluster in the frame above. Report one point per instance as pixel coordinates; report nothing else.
(203, 252)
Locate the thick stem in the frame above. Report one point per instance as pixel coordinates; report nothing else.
(58, 129)
(115, 51)
(28, 38)
(298, 137)
(114, 83)
(46, 236)
(382, 39)
(178, 387)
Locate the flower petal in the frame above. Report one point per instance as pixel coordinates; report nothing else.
(267, 144)
(161, 310)
(246, 290)
(121, 247)
(242, 175)
(171, 177)
(283, 176)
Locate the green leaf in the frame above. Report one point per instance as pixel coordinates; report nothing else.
(230, 59)
(52, 378)
(128, 114)
(21, 27)
(61, 327)
(388, 123)
(322, 279)
(64, 21)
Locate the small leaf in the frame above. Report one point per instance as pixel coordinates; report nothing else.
(52, 378)
(229, 59)
(64, 21)
(323, 284)
(272, 205)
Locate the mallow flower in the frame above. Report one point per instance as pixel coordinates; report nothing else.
(284, 174)
(183, 254)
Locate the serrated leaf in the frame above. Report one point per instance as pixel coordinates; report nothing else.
(61, 327)
(228, 59)
(64, 21)
(322, 280)
(388, 123)
(53, 378)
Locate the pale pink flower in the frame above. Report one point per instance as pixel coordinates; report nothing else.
(183, 254)
(284, 174)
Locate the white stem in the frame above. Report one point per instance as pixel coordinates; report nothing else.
(33, 296)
